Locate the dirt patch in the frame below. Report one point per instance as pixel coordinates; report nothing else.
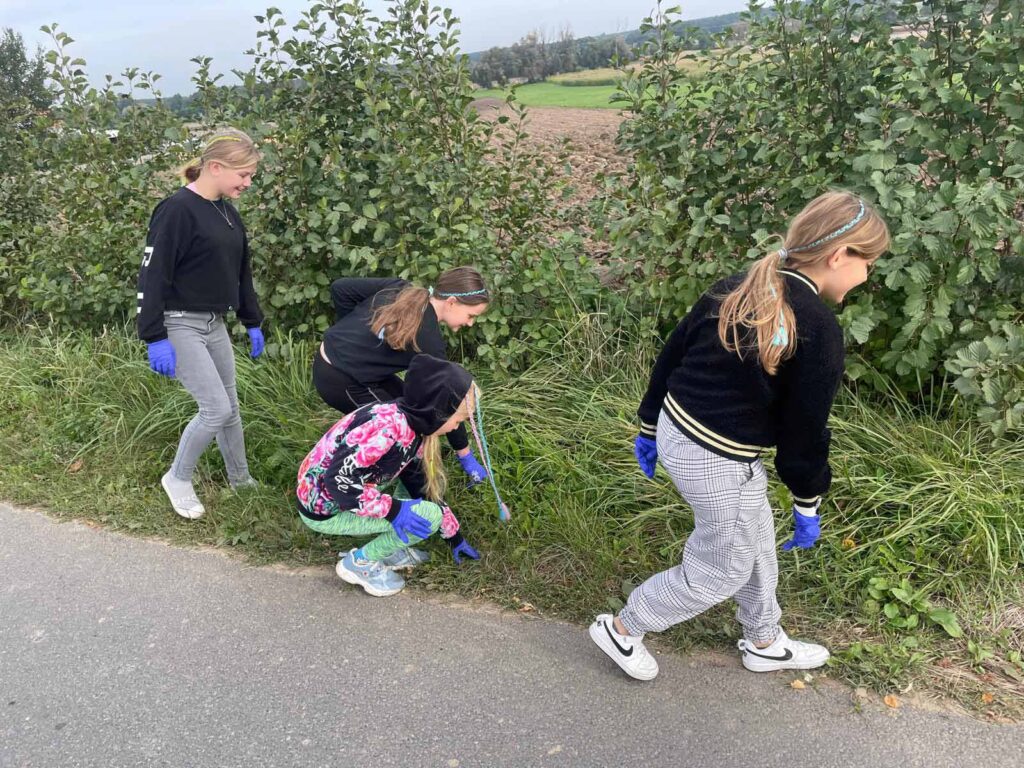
(586, 137)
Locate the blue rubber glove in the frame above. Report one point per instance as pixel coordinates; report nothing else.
(256, 341)
(408, 523)
(473, 468)
(162, 358)
(806, 530)
(646, 451)
(462, 549)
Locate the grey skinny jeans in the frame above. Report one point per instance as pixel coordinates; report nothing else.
(206, 368)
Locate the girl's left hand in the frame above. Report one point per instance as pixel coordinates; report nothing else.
(806, 529)
(256, 342)
(462, 549)
(473, 468)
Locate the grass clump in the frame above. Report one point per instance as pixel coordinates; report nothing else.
(915, 580)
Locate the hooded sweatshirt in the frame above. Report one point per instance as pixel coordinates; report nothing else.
(380, 442)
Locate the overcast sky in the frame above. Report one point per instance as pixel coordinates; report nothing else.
(162, 36)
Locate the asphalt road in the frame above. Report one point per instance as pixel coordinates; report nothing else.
(122, 652)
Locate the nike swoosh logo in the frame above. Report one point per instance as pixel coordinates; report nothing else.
(784, 657)
(622, 650)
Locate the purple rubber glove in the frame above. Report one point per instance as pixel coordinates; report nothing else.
(473, 468)
(162, 358)
(646, 451)
(806, 529)
(256, 342)
(462, 549)
(408, 523)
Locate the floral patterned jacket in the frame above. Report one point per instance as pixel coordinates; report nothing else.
(369, 447)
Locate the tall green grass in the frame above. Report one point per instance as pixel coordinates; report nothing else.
(925, 517)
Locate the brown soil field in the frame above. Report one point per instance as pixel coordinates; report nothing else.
(590, 138)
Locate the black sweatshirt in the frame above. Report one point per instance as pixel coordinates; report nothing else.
(194, 261)
(734, 408)
(352, 347)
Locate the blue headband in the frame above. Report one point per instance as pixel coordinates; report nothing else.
(458, 295)
(784, 252)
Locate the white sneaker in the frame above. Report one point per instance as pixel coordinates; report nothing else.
(183, 497)
(782, 654)
(626, 651)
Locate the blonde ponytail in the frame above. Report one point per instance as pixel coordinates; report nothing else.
(399, 322)
(755, 315)
(433, 468)
(189, 172)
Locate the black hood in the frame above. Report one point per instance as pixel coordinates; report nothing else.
(434, 389)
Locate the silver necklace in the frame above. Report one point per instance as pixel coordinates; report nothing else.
(223, 213)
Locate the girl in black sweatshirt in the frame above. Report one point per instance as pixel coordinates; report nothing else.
(380, 325)
(196, 268)
(756, 363)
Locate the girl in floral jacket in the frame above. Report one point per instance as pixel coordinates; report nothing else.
(339, 482)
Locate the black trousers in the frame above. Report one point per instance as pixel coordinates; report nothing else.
(345, 394)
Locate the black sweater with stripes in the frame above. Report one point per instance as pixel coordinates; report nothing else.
(196, 261)
(734, 408)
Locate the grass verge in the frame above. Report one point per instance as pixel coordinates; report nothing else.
(914, 585)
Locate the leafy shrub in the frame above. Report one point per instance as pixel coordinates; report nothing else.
(823, 95)
(374, 165)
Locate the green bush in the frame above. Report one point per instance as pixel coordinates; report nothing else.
(373, 165)
(990, 374)
(821, 95)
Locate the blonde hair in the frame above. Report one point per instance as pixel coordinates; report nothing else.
(756, 312)
(433, 467)
(228, 146)
(400, 320)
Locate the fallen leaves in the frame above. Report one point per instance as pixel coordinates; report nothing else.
(892, 701)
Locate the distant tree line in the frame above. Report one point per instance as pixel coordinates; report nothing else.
(535, 58)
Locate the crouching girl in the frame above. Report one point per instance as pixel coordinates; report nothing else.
(377, 472)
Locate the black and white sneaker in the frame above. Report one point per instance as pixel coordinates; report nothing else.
(782, 654)
(626, 651)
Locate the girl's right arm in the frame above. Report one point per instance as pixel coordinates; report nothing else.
(169, 233)
(348, 292)
(811, 379)
(667, 362)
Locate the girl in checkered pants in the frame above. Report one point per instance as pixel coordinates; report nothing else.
(755, 364)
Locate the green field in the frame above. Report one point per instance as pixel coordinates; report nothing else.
(551, 94)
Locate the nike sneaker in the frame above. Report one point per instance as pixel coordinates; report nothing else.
(782, 654)
(625, 650)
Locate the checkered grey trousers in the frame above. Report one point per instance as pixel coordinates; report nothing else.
(731, 552)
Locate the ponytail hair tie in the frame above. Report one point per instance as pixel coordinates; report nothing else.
(430, 291)
(783, 254)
